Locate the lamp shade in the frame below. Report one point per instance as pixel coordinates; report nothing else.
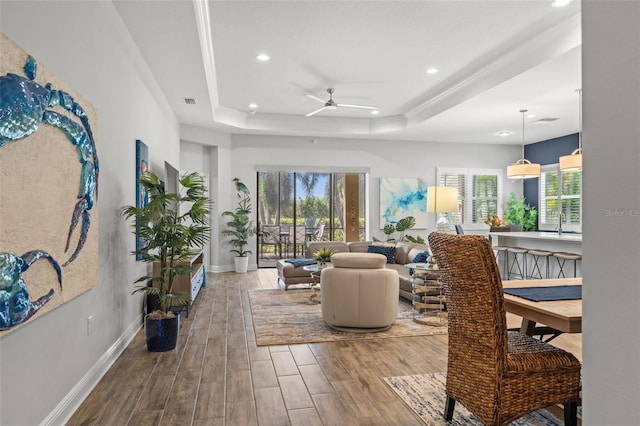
(442, 199)
(523, 169)
(573, 162)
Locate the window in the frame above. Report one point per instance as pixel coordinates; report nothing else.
(569, 193)
(479, 193)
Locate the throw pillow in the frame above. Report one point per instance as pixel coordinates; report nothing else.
(389, 252)
(421, 257)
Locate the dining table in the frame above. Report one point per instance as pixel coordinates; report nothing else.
(555, 316)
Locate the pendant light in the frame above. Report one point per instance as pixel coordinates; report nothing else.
(523, 168)
(573, 162)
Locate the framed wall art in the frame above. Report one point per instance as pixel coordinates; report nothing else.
(142, 195)
(402, 197)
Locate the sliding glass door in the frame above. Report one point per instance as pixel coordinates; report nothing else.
(297, 207)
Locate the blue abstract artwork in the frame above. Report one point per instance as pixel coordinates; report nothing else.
(402, 197)
(142, 196)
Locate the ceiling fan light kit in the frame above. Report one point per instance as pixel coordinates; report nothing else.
(331, 104)
(523, 168)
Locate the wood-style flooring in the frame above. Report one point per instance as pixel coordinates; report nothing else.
(218, 376)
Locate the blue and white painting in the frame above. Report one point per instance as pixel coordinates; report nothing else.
(402, 197)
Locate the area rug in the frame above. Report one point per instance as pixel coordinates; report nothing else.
(291, 317)
(425, 395)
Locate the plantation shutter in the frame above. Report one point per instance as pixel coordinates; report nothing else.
(479, 193)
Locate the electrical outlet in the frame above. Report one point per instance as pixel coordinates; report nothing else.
(89, 325)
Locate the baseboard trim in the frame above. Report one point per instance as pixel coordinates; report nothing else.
(70, 403)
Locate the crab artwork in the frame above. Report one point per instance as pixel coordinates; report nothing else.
(15, 306)
(27, 106)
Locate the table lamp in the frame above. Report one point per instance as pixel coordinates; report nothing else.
(442, 200)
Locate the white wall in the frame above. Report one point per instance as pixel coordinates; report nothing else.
(611, 246)
(48, 365)
(380, 158)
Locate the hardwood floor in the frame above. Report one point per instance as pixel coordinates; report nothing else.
(218, 376)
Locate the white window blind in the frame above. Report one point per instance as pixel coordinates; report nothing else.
(568, 194)
(479, 193)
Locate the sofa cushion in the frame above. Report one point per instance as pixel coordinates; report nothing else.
(336, 246)
(403, 249)
(387, 251)
(358, 260)
(359, 246)
(420, 257)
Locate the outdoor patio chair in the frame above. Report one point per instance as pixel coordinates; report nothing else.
(270, 236)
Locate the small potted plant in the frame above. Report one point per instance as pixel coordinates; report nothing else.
(240, 227)
(520, 215)
(323, 256)
(171, 226)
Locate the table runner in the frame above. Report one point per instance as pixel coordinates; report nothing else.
(547, 294)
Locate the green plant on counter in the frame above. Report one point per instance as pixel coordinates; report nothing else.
(521, 213)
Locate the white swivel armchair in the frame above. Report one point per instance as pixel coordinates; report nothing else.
(358, 293)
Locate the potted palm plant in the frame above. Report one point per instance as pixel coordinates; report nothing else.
(240, 227)
(171, 226)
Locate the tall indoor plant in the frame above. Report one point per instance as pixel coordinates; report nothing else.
(171, 226)
(240, 227)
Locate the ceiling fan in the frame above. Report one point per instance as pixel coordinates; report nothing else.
(331, 104)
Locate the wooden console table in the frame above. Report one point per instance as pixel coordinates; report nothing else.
(189, 283)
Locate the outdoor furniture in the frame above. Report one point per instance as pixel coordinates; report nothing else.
(300, 240)
(498, 375)
(270, 236)
(358, 293)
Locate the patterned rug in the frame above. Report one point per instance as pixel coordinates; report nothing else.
(291, 317)
(425, 395)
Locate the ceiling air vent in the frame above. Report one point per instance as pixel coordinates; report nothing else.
(190, 101)
(546, 120)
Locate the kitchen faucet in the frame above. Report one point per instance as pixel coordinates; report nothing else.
(562, 217)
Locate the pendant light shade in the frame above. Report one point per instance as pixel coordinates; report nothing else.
(523, 168)
(573, 162)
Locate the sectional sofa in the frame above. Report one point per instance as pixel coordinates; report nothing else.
(400, 253)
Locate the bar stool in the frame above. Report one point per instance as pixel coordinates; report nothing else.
(537, 256)
(498, 250)
(521, 264)
(563, 257)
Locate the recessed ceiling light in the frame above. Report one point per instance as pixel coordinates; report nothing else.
(560, 3)
(253, 106)
(375, 112)
(263, 57)
(504, 133)
(432, 70)
(531, 116)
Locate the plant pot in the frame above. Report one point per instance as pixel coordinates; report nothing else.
(161, 334)
(242, 263)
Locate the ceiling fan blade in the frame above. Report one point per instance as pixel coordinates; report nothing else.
(315, 112)
(315, 98)
(357, 106)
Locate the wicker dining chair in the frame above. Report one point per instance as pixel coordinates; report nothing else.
(498, 375)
